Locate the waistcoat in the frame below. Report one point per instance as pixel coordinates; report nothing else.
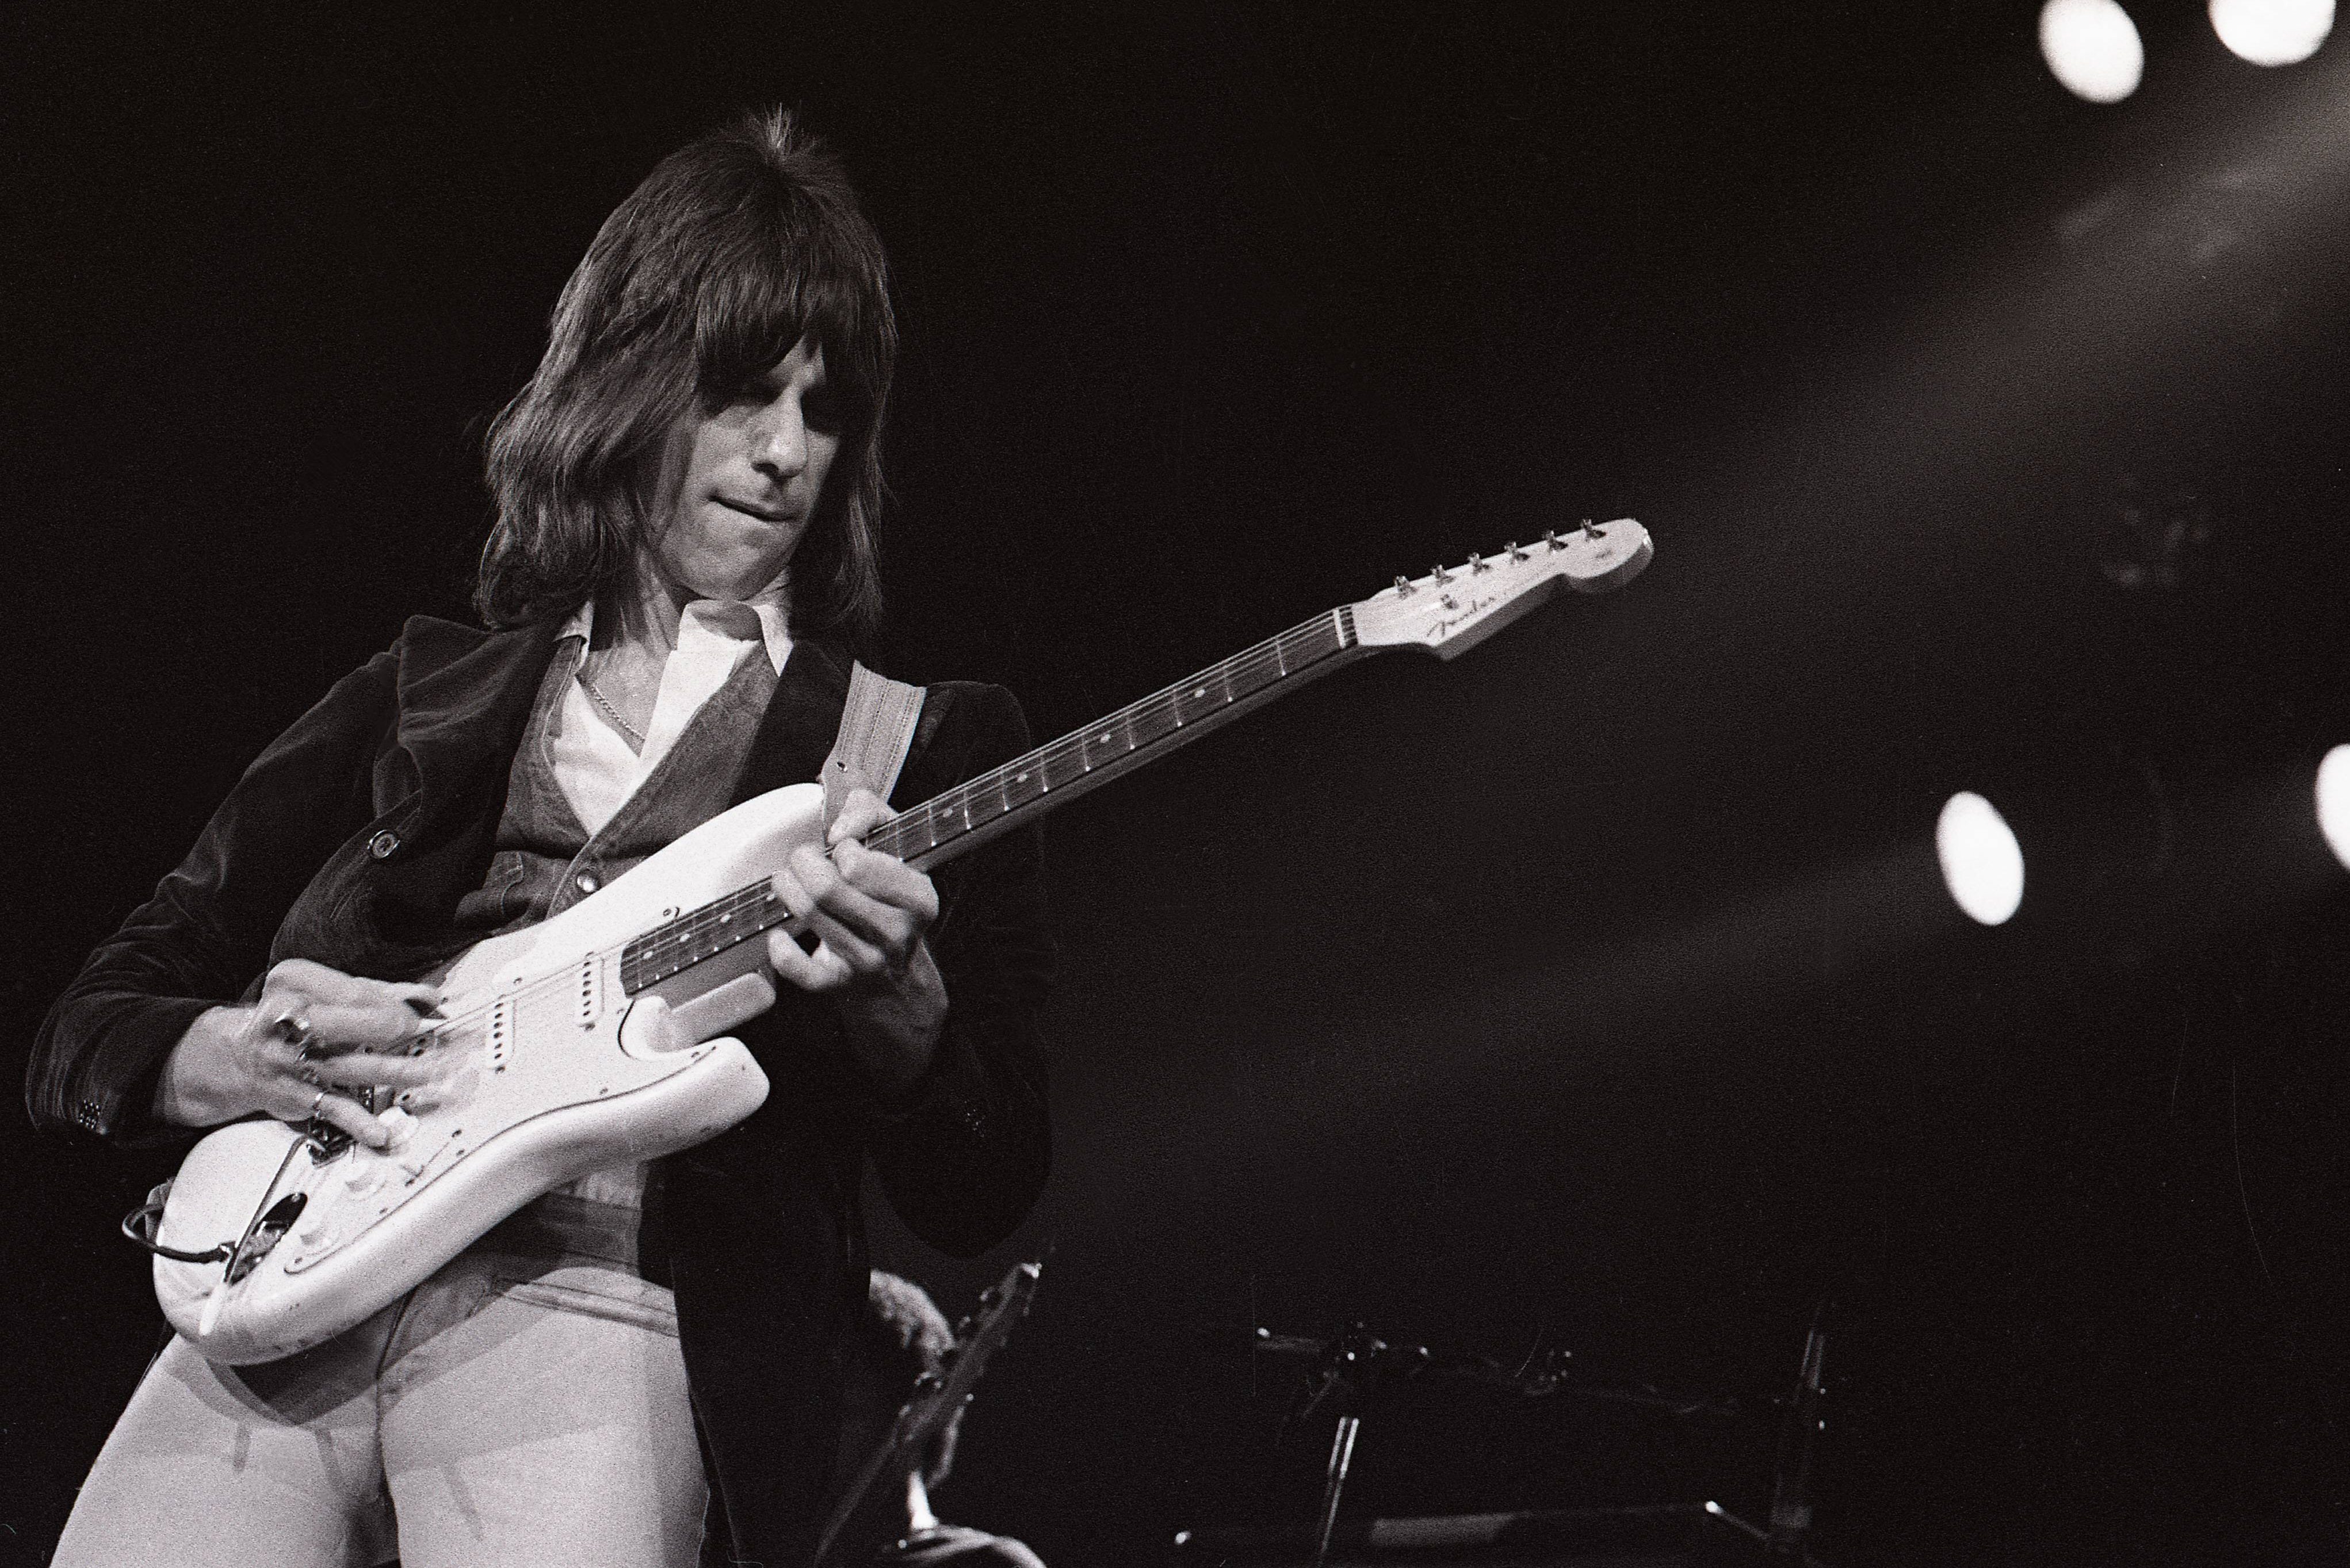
(546, 860)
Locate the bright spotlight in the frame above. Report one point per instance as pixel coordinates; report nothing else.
(2334, 802)
(2272, 32)
(2093, 48)
(1981, 863)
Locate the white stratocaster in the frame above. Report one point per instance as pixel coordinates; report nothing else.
(598, 1038)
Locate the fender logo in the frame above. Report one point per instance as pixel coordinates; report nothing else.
(1445, 626)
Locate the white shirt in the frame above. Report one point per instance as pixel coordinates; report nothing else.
(593, 764)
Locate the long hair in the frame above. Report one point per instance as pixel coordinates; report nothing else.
(733, 249)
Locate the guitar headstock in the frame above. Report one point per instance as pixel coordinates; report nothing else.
(1457, 607)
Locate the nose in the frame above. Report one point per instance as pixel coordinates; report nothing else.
(779, 445)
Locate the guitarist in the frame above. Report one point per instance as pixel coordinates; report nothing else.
(682, 563)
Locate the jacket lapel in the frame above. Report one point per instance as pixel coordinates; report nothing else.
(801, 720)
(464, 697)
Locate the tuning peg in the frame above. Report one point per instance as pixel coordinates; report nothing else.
(1593, 529)
(1442, 575)
(1477, 564)
(1516, 554)
(1403, 586)
(1550, 537)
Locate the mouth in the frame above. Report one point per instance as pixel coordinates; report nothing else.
(764, 513)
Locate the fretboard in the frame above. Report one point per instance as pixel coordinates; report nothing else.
(1057, 771)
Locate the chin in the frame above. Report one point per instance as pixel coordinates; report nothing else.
(727, 575)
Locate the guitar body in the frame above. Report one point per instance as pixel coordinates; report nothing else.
(560, 1072)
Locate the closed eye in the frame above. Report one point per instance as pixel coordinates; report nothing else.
(822, 411)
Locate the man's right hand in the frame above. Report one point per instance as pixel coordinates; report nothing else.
(316, 1038)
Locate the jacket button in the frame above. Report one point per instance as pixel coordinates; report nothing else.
(585, 882)
(383, 845)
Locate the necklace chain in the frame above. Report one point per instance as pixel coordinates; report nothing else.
(610, 711)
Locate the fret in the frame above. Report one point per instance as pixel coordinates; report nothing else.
(902, 833)
(1201, 695)
(1018, 783)
(1105, 741)
(1253, 671)
(1064, 764)
(1153, 718)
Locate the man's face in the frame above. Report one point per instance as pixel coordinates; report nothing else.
(743, 479)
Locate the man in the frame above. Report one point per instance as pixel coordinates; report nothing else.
(902, 1338)
(682, 566)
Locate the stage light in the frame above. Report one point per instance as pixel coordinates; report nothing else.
(2333, 802)
(2272, 32)
(1983, 866)
(2093, 48)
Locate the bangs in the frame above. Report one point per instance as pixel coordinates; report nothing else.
(782, 283)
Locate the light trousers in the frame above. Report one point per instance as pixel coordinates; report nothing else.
(525, 1405)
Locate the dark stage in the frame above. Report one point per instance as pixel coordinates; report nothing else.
(1595, 992)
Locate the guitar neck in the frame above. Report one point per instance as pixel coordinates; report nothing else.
(968, 815)
(1060, 770)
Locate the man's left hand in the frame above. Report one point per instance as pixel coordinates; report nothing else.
(869, 912)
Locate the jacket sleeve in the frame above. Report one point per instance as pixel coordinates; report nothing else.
(206, 934)
(965, 1159)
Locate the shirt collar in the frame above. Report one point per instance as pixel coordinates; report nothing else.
(774, 628)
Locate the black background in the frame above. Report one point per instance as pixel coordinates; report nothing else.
(1595, 991)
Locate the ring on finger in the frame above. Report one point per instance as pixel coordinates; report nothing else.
(320, 1099)
(294, 1028)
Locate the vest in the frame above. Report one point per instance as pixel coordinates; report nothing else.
(546, 859)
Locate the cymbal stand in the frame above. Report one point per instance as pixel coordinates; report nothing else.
(1345, 1375)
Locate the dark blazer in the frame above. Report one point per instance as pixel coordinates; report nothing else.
(350, 841)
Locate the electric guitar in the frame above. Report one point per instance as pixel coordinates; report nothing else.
(598, 1038)
(872, 1512)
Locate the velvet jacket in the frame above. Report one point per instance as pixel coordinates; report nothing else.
(350, 841)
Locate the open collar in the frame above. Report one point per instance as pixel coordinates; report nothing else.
(466, 695)
(775, 628)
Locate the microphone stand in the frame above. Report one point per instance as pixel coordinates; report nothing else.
(1344, 1376)
(1790, 1488)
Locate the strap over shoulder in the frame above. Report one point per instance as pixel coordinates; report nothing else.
(877, 728)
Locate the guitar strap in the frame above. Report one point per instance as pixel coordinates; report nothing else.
(877, 728)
